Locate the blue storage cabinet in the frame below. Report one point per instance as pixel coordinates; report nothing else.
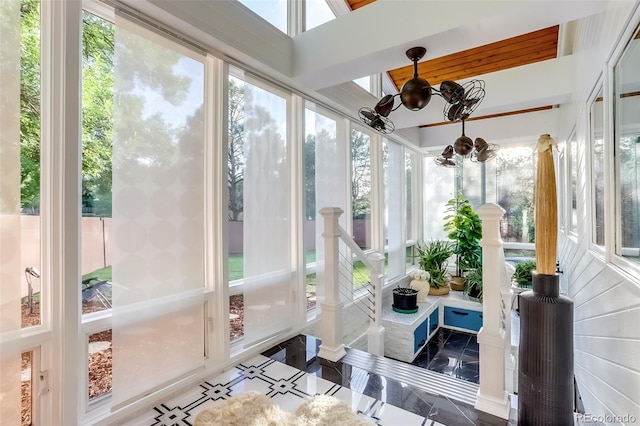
(420, 335)
(434, 321)
(462, 318)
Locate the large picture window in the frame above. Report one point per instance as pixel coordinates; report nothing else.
(361, 188)
(627, 152)
(395, 213)
(260, 222)
(158, 211)
(325, 173)
(515, 178)
(438, 184)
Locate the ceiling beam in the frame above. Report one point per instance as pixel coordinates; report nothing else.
(549, 82)
(373, 39)
(499, 130)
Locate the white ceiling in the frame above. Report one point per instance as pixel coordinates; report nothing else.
(374, 38)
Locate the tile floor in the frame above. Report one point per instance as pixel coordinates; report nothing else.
(384, 391)
(453, 353)
(392, 382)
(287, 386)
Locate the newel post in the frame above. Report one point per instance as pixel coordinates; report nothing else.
(375, 333)
(492, 395)
(332, 347)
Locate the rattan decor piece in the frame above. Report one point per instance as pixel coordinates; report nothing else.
(546, 208)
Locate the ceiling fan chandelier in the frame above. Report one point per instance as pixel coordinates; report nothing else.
(460, 101)
(479, 151)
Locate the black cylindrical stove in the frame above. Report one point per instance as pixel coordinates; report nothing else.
(545, 373)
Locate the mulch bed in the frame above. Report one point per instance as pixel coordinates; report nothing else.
(100, 363)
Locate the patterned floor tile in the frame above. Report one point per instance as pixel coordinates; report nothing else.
(287, 386)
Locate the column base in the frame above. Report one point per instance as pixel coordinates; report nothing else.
(497, 407)
(375, 340)
(332, 354)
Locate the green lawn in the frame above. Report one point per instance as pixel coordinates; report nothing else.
(100, 274)
(360, 272)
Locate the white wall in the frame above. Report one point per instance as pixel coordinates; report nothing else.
(606, 298)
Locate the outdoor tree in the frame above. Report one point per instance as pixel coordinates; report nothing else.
(98, 73)
(97, 114)
(310, 176)
(361, 174)
(30, 105)
(235, 153)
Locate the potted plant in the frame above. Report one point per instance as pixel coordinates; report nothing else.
(405, 300)
(522, 275)
(433, 257)
(464, 228)
(473, 284)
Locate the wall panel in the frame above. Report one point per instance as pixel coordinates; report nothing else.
(606, 302)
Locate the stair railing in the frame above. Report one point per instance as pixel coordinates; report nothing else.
(331, 327)
(494, 338)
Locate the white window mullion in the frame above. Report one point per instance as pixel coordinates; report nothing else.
(377, 195)
(216, 106)
(295, 121)
(60, 212)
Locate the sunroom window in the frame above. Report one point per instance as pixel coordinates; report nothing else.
(627, 153)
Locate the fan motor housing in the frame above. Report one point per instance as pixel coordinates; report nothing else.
(415, 93)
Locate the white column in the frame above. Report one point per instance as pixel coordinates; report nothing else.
(375, 333)
(332, 347)
(492, 396)
(511, 373)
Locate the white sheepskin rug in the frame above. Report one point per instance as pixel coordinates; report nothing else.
(255, 409)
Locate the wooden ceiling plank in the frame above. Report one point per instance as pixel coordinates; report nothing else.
(357, 4)
(507, 50)
(548, 42)
(462, 74)
(520, 50)
(484, 117)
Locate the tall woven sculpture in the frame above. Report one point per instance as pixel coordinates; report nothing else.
(545, 376)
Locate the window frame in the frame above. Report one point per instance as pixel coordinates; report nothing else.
(597, 92)
(624, 266)
(572, 225)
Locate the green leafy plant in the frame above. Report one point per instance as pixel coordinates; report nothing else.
(433, 257)
(464, 228)
(405, 290)
(473, 284)
(522, 275)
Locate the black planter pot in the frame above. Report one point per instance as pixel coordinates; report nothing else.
(545, 377)
(405, 300)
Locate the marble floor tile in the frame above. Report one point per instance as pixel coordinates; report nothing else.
(291, 372)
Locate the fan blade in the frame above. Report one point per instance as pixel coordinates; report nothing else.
(377, 123)
(455, 112)
(480, 144)
(369, 115)
(444, 162)
(385, 106)
(448, 152)
(486, 155)
(451, 91)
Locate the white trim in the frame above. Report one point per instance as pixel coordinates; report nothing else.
(376, 170)
(99, 9)
(590, 204)
(628, 268)
(217, 235)
(296, 138)
(572, 229)
(61, 160)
